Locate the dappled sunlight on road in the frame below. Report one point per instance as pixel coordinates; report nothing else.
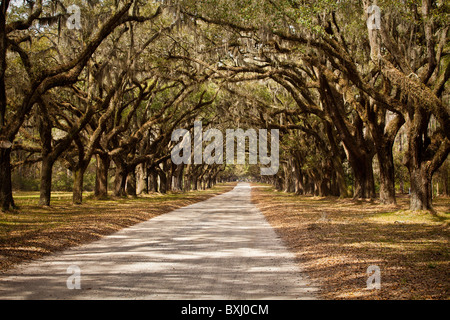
(221, 248)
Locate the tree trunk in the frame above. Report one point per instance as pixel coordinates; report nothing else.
(187, 182)
(334, 186)
(202, 183)
(169, 176)
(422, 162)
(46, 181)
(437, 189)
(101, 177)
(446, 186)
(131, 183)
(364, 185)
(340, 179)
(387, 176)
(153, 179)
(421, 197)
(278, 183)
(307, 185)
(6, 199)
(178, 178)
(120, 181)
(324, 189)
(195, 182)
(288, 179)
(78, 177)
(299, 185)
(444, 180)
(142, 179)
(296, 176)
(209, 184)
(402, 185)
(162, 181)
(45, 132)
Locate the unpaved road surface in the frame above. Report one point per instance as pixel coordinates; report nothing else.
(221, 248)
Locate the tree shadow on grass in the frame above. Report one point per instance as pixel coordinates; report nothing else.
(336, 241)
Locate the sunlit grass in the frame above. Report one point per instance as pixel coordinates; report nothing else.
(407, 216)
(337, 239)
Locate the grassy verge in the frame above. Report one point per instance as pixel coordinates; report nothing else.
(336, 240)
(33, 231)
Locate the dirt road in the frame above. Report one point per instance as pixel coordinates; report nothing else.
(221, 248)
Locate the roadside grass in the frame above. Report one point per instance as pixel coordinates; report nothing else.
(32, 231)
(336, 240)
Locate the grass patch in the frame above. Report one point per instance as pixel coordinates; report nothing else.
(408, 216)
(336, 240)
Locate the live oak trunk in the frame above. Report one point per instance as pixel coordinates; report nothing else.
(101, 177)
(298, 178)
(334, 185)
(278, 183)
(364, 184)
(162, 181)
(78, 178)
(422, 161)
(324, 189)
(6, 199)
(358, 146)
(421, 197)
(387, 176)
(286, 179)
(445, 184)
(153, 180)
(194, 182)
(142, 179)
(340, 180)
(204, 183)
(209, 184)
(46, 181)
(178, 178)
(131, 183)
(120, 180)
(169, 176)
(188, 182)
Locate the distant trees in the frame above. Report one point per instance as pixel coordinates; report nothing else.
(118, 97)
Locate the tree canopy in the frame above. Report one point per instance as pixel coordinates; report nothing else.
(358, 90)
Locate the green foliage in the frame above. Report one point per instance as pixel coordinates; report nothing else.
(24, 183)
(62, 181)
(272, 33)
